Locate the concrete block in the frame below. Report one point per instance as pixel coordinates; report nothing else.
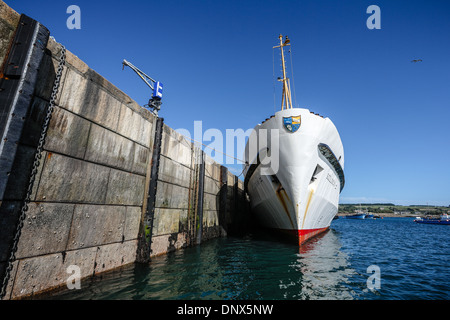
(83, 258)
(132, 222)
(8, 23)
(76, 62)
(67, 134)
(174, 146)
(173, 172)
(115, 255)
(98, 79)
(6, 36)
(125, 188)
(210, 218)
(140, 160)
(89, 100)
(166, 221)
(171, 196)
(65, 179)
(96, 225)
(210, 202)
(168, 243)
(47, 272)
(212, 168)
(184, 223)
(212, 186)
(134, 126)
(109, 148)
(230, 179)
(45, 229)
(9, 15)
(72, 88)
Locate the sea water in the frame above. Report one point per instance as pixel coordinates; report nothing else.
(384, 259)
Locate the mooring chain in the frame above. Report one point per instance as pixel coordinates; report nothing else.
(36, 163)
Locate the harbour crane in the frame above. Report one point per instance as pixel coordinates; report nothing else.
(155, 101)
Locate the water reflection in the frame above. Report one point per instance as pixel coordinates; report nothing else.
(254, 267)
(325, 269)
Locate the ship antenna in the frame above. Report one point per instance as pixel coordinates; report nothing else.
(286, 100)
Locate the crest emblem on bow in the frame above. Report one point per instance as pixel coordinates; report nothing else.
(292, 124)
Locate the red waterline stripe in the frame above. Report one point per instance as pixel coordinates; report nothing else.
(303, 235)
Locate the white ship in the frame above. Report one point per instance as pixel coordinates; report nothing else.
(300, 196)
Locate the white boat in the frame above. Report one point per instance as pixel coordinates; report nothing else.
(300, 196)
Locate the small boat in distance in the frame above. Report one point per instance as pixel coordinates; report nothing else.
(356, 216)
(359, 214)
(444, 219)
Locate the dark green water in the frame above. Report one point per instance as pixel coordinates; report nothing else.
(413, 261)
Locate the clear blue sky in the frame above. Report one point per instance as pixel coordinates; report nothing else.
(215, 60)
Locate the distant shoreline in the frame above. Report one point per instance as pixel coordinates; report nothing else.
(381, 215)
(393, 211)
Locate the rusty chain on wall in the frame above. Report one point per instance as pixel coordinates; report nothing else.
(36, 163)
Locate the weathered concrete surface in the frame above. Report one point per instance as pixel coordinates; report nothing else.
(8, 23)
(89, 190)
(91, 187)
(46, 229)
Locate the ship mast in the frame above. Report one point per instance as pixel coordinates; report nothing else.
(286, 100)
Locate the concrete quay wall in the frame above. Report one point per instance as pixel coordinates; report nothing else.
(89, 203)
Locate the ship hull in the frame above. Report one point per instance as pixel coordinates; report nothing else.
(299, 196)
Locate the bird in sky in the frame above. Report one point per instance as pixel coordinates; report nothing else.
(416, 60)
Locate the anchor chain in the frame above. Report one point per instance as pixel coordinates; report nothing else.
(36, 163)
